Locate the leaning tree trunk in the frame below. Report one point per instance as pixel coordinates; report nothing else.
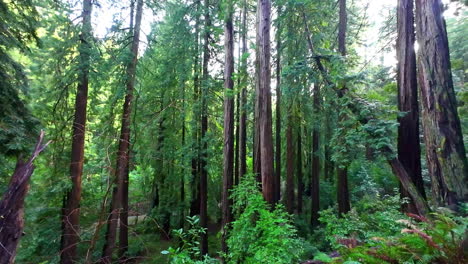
(12, 205)
(445, 151)
(265, 119)
(409, 150)
(228, 151)
(342, 171)
(119, 206)
(71, 209)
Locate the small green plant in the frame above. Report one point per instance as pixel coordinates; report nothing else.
(189, 250)
(260, 235)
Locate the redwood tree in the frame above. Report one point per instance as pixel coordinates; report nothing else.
(409, 150)
(445, 151)
(264, 100)
(71, 208)
(228, 143)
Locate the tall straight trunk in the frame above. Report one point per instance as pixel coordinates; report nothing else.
(409, 149)
(328, 163)
(195, 199)
(71, 209)
(445, 151)
(204, 128)
(300, 182)
(119, 207)
(278, 115)
(243, 99)
(315, 179)
(228, 151)
(264, 96)
(342, 171)
(290, 164)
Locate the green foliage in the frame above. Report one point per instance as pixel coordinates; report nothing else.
(438, 239)
(370, 219)
(189, 251)
(259, 234)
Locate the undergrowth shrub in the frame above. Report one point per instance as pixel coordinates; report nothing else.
(258, 234)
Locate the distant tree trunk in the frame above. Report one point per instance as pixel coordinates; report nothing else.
(195, 200)
(119, 205)
(204, 128)
(228, 151)
(300, 182)
(315, 179)
(12, 205)
(71, 209)
(290, 164)
(342, 172)
(278, 115)
(409, 150)
(264, 96)
(328, 163)
(243, 100)
(445, 151)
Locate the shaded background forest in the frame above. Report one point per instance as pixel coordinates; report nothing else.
(166, 106)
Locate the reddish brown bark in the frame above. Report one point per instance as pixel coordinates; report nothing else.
(278, 115)
(243, 99)
(71, 208)
(12, 205)
(409, 150)
(264, 98)
(445, 151)
(228, 151)
(119, 205)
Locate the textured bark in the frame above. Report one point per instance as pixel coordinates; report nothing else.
(119, 206)
(12, 205)
(204, 129)
(300, 182)
(264, 96)
(278, 115)
(243, 100)
(342, 172)
(289, 165)
(228, 144)
(315, 179)
(409, 150)
(71, 209)
(445, 151)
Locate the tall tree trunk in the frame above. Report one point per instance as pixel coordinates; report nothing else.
(71, 209)
(195, 200)
(228, 151)
(264, 96)
(445, 151)
(315, 179)
(243, 100)
(342, 171)
(409, 149)
(278, 115)
(12, 205)
(119, 207)
(300, 182)
(290, 164)
(204, 128)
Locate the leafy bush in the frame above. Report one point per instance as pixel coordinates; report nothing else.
(260, 235)
(439, 239)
